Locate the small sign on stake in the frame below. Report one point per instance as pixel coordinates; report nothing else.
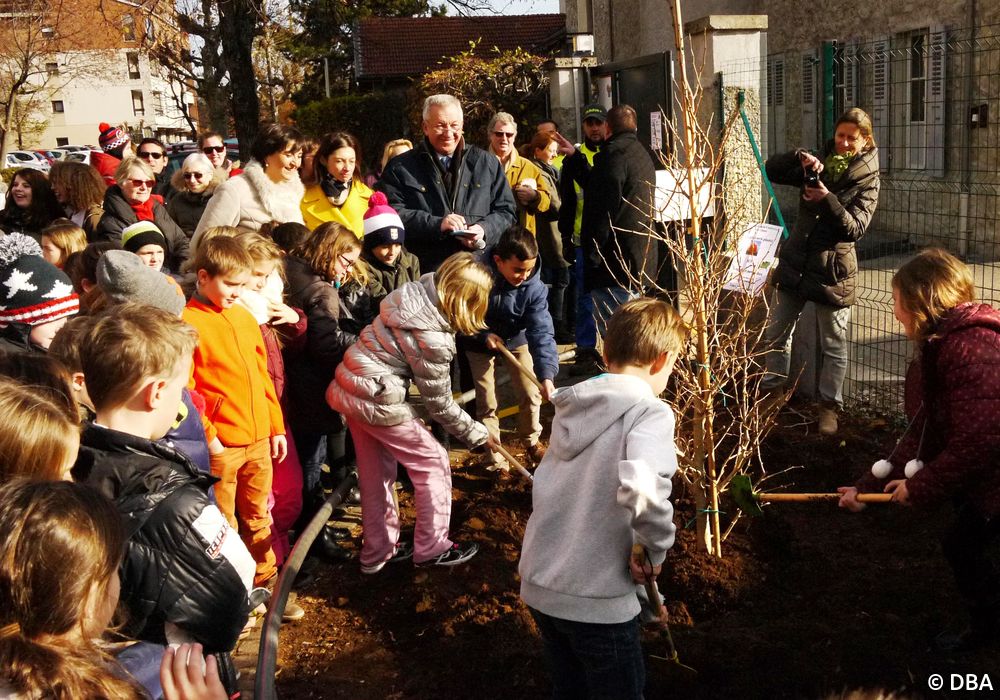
(753, 259)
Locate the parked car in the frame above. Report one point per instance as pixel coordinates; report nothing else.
(27, 159)
(176, 159)
(78, 156)
(73, 149)
(46, 155)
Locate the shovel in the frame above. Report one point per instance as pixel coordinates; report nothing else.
(653, 594)
(749, 500)
(517, 465)
(517, 363)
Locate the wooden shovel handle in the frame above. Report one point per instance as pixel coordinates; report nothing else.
(521, 368)
(802, 497)
(517, 465)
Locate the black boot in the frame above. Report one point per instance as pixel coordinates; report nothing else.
(326, 547)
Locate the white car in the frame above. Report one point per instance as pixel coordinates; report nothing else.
(27, 159)
(78, 157)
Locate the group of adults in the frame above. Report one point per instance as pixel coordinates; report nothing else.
(589, 204)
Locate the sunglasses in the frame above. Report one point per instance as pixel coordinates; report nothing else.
(504, 134)
(193, 176)
(212, 149)
(151, 154)
(142, 183)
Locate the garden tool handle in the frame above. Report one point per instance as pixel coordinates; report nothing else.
(517, 465)
(652, 591)
(804, 497)
(521, 368)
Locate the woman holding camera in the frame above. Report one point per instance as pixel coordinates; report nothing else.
(817, 262)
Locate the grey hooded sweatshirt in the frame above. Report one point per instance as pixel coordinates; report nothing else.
(603, 485)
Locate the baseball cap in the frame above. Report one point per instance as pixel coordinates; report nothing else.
(594, 111)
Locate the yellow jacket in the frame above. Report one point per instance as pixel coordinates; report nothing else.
(316, 208)
(519, 169)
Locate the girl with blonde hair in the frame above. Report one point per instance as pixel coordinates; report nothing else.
(40, 438)
(950, 451)
(412, 340)
(61, 239)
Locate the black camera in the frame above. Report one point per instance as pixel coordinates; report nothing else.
(811, 178)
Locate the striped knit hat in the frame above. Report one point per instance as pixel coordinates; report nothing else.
(142, 233)
(382, 224)
(32, 290)
(111, 137)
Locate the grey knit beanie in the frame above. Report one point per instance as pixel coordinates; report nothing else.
(124, 277)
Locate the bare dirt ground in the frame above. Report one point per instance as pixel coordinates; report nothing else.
(809, 601)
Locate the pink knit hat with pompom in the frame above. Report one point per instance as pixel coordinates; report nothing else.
(382, 224)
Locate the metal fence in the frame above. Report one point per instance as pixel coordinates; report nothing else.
(934, 97)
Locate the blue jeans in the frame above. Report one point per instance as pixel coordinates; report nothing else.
(591, 660)
(586, 330)
(833, 322)
(606, 300)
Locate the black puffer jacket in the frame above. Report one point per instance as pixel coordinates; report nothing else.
(327, 338)
(617, 211)
(176, 567)
(818, 261)
(118, 214)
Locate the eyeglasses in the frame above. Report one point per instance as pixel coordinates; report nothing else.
(208, 150)
(142, 183)
(155, 155)
(442, 128)
(504, 134)
(346, 261)
(193, 176)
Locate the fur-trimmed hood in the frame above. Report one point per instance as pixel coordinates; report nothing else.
(280, 200)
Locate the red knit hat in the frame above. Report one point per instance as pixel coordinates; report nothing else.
(111, 137)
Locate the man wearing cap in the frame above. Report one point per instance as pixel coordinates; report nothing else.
(620, 255)
(578, 161)
(451, 196)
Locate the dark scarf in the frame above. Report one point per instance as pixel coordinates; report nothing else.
(144, 211)
(449, 176)
(332, 187)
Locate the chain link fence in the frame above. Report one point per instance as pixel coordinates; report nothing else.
(934, 97)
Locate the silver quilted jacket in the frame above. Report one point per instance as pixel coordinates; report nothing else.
(410, 340)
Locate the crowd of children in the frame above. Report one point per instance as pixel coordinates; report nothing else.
(197, 407)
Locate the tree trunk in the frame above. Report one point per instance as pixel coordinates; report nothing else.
(237, 28)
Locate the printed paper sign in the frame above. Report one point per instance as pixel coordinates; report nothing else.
(753, 259)
(656, 131)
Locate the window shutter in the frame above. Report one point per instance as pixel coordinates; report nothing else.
(880, 99)
(810, 114)
(852, 91)
(936, 101)
(776, 103)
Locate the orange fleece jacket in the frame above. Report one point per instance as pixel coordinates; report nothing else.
(230, 371)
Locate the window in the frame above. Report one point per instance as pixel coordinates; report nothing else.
(918, 77)
(138, 106)
(132, 59)
(62, 140)
(128, 28)
(58, 107)
(52, 68)
(158, 104)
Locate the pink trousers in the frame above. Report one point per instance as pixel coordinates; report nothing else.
(285, 502)
(378, 449)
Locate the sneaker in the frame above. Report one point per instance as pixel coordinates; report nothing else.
(293, 611)
(827, 418)
(458, 553)
(404, 552)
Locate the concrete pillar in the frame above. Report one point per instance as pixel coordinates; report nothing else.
(568, 92)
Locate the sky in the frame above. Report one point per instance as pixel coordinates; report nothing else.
(526, 7)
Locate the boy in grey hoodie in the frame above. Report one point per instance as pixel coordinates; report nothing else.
(609, 464)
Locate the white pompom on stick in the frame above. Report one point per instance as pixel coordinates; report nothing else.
(882, 468)
(912, 467)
